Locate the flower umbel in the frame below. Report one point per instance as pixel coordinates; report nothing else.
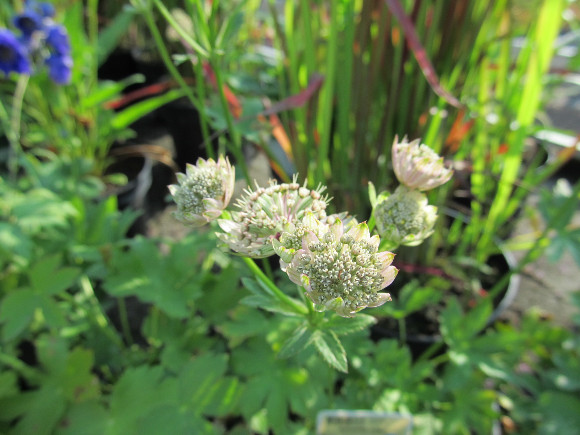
(341, 271)
(203, 191)
(417, 166)
(264, 212)
(404, 218)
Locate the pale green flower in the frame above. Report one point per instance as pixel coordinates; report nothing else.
(340, 270)
(417, 166)
(404, 218)
(203, 191)
(263, 214)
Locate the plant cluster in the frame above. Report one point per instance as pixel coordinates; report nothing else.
(339, 265)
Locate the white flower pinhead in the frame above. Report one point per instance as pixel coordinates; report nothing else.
(203, 191)
(340, 270)
(264, 213)
(404, 218)
(417, 166)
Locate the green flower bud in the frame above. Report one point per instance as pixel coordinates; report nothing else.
(203, 191)
(404, 218)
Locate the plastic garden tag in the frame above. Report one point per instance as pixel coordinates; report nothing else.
(343, 422)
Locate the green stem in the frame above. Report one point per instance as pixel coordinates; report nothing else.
(267, 268)
(98, 148)
(166, 57)
(11, 124)
(235, 134)
(17, 365)
(298, 308)
(124, 318)
(98, 315)
(431, 351)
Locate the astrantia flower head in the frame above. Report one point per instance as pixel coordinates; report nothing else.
(417, 166)
(404, 218)
(290, 240)
(264, 212)
(340, 270)
(203, 191)
(13, 55)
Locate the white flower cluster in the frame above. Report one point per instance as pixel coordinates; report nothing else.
(340, 270)
(334, 258)
(265, 211)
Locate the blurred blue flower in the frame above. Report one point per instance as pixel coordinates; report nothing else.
(57, 39)
(28, 22)
(60, 68)
(13, 55)
(46, 10)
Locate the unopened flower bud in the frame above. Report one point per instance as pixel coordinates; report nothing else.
(404, 218)
(417, 166)
(203, 191)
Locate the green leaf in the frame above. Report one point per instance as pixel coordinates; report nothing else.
(300, 339)
(126, 117)
(8, 384)
(565, 240)
(458, 328)
(204, 388)
(342, 326)
(171, 282)
(15, 246)
(53, 314)
(16, 312)
(39, 209)
(87, 418)
(331, 350)
(44, 409)
(275, 384)
(277, 409)
(245, 323)
(559, 413)
(110, 89)
(262, 297)
(110, 36)
(133, 398)
(48, 278)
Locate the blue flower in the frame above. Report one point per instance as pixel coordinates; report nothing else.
(28, 22)
(46, 10)
(59, 68)
(13, 55)
(57, 39)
